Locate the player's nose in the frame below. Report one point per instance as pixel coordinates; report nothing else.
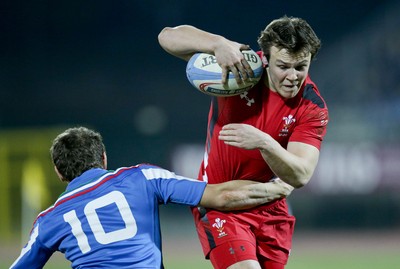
(292, 74)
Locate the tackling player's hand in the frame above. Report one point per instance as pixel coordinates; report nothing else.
(280, 188)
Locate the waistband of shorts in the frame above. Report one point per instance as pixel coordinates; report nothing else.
(269, 207)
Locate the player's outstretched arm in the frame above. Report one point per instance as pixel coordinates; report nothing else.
(243, 194)
(185, 40)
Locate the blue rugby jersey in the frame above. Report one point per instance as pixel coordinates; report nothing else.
(109, 219)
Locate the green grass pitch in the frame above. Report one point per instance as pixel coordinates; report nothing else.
(348, 250)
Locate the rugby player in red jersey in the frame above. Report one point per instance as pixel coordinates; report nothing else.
(273, 130)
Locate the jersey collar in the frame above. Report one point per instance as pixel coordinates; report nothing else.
(86, 178)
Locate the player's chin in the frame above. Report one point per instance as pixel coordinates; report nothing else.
(288, 92)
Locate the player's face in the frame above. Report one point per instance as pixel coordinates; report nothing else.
(287, 72)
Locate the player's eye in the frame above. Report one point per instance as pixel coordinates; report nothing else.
(301, 67)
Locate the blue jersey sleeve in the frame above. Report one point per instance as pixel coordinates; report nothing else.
(172, 188)
(109, 218)
(34, 254)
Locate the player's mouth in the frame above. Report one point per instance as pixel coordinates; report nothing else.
(290, 87)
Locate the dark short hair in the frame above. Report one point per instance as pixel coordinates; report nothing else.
(77, 150)
(292, 34)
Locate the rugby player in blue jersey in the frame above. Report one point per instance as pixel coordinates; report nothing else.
(110, 219)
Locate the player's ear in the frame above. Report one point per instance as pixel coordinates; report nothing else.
(104, 160)
(58, 174)
(264, 60)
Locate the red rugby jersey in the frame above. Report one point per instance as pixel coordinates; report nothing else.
(302, 119)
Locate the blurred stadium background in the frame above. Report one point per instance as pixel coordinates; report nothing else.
(98, 64)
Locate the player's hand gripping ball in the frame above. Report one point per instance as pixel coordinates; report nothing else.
(205, 74)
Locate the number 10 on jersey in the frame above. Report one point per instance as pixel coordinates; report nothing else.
(118, 199)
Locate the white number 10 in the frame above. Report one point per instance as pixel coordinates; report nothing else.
(101, 236)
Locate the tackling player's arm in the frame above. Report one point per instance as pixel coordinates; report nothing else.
(185, 40)
(243, 194)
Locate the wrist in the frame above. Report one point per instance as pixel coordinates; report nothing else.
(218, 43)
(267, 143)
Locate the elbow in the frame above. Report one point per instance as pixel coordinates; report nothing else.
(168, 39)
(299, 183)
(299, 178)
(163, 36)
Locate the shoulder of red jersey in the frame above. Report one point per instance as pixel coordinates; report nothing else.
(312, 93)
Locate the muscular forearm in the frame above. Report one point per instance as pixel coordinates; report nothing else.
(294, 165)
(289, 167)
(243, 194)
(183, 41)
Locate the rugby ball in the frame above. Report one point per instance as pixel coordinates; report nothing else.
(205, 74)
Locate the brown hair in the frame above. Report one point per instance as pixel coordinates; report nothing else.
(292, 34)
(77, 150)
